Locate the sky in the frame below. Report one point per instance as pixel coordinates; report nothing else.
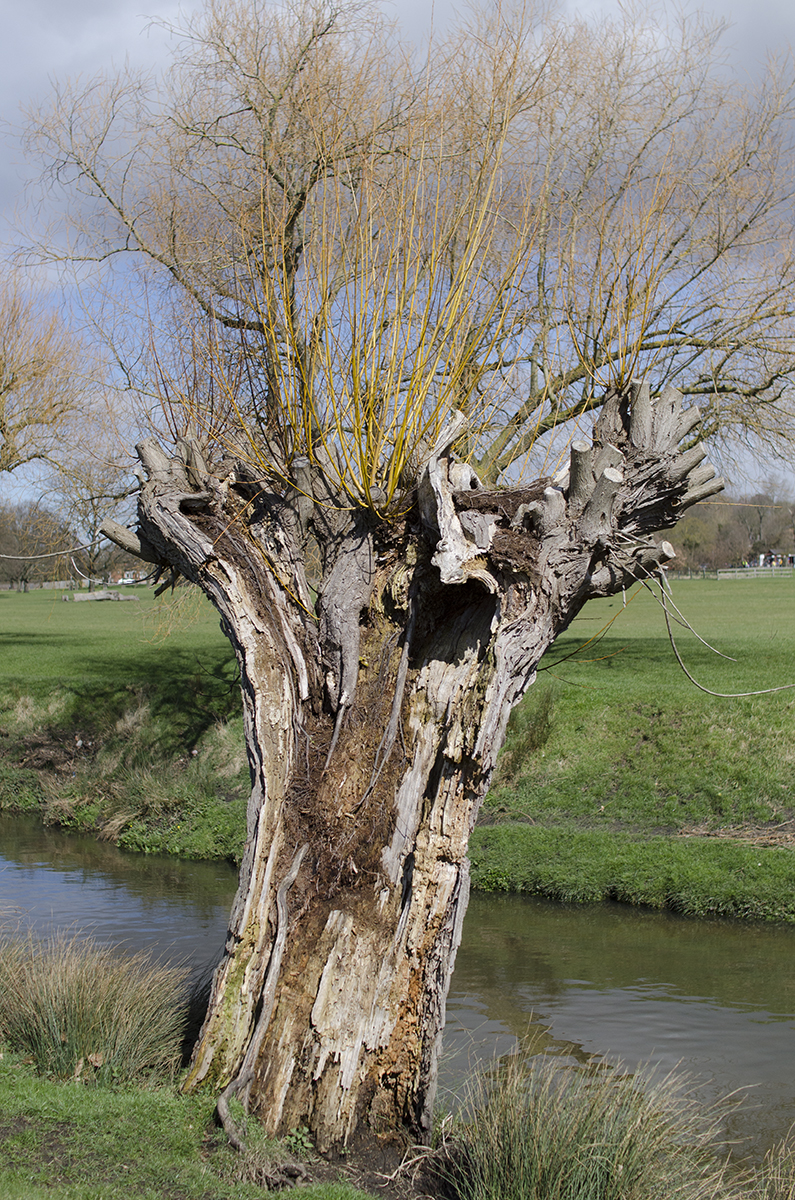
(43, 40)
(47, 40)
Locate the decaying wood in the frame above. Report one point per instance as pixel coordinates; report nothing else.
(373, 728)
(104, 594)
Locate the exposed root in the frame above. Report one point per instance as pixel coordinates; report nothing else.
(343, 708)
(223, 1115)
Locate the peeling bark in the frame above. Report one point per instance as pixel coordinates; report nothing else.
(373, 731)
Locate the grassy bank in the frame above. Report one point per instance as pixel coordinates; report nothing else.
(619, 778)
(123, 719)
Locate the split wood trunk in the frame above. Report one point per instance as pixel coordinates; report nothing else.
(373, 721)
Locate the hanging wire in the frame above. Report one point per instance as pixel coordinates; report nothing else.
(52, 554)
(661, 600)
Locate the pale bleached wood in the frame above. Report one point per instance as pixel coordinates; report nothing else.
(581, 477)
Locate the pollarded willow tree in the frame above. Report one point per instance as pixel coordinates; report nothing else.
(395, 281)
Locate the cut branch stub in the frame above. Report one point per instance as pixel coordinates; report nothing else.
(685, 463)
(700, 475)
(126, 540)
(695, 495)
(346, 591)
(546, 515)
(159, 467)
(303, 501)
(581, 479)
(611, 427)
(462, 478)
(479, 526)
(607, 456)
(191, 455)
(640, 419)
(648, 558)
(688, 421)
(597, 519)
(667, 412)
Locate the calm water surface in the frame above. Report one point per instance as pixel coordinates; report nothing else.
(52, 880)
(596, 983)
(715, 999)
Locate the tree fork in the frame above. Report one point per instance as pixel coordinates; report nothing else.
(431, 630)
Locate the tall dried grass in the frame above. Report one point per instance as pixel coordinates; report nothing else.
(536, 1130)
(83, 1011)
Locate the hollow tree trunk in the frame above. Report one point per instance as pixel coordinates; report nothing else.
(373, 731)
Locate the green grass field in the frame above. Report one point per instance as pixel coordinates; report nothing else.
(610, 759)
(69, 1141)
(96, 655)
(614, 753)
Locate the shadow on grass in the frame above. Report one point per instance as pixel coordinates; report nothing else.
(186, 692)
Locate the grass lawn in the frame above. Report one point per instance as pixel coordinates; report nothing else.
(614, 750)
(84, 661)
(69, 1141)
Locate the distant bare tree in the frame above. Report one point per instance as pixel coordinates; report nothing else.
(43, 377)
(92, 483)
(31, 537)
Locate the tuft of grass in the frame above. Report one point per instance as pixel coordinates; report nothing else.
(538, 1130)
(775, 1178)
(84, 1012)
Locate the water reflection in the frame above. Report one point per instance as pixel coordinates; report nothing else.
(609, 982)
(50, 880)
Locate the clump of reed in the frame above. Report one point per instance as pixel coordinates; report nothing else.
(83, 1011)
(534, 1129)
(775, 1178)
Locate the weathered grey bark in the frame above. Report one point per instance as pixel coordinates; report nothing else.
(373, 733)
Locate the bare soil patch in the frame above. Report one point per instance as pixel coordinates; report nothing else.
(763, 834)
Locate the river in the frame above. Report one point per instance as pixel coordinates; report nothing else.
(715, 999)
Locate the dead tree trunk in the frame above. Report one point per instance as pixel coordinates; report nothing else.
(373, 723)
